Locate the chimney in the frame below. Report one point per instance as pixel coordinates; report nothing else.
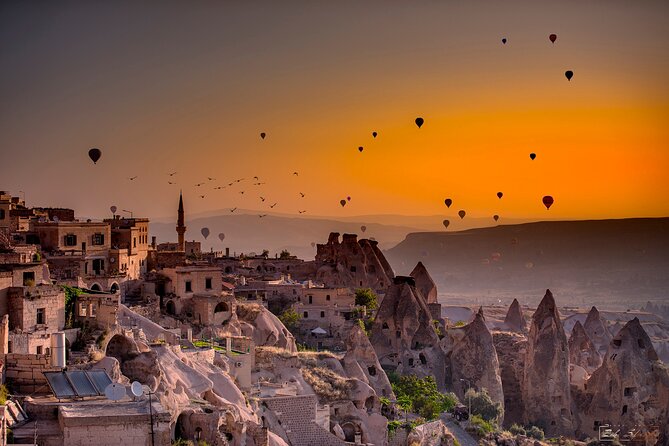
(153, 242)
(227, 252)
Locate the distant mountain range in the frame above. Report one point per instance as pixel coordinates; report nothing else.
(615, 263)
(246, 232)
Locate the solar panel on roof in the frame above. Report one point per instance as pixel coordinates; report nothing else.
(100, 379)
(82, 385)
(78, 383)
(59, 385)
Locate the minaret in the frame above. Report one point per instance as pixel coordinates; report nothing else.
(181, 227)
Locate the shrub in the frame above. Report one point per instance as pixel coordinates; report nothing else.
(516, 429)
(460, 324)
(420, 396)
(4, 393)
(535, 432)
(479, 427)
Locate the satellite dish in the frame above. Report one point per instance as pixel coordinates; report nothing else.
(115, 392)
(136, 388)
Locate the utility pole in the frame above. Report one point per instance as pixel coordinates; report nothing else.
(151, 416)
(468, 393)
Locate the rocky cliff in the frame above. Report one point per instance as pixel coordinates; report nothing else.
(424, 283)
(546, 373)
(511, 349)
(597, 330)
(514, 320)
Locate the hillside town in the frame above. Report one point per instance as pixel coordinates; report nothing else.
(109, 336)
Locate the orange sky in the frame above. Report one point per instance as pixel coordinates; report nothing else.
(188, 89)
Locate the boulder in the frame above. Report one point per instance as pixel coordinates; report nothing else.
(546, 391)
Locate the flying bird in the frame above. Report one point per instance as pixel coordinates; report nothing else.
(132, 178)
(241, 192)
(211, 179)
(241, 179)
(272, 206)
(199, 184)
(256, 178)
(302, 212)
(201, 196)
(219, 187)
(301, 195)
(262, 199)
(295, 173)
(262, 215)
(170, 182)
(233, 209)
(172, 174)
(230, 184)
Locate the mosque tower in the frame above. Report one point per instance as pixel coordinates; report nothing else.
(181, 227)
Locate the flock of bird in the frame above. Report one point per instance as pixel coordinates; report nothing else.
(95, 154)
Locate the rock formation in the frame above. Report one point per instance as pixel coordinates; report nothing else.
(403, 334)
(514, 319)
(361, 362)
(597, 331)
(473, 361)
(352, 263)
(424, 283)
(258, 323)
(630, 389)
(511, 348)
(546, 373)
(582, 351)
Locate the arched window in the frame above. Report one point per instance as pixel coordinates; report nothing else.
(221, 307)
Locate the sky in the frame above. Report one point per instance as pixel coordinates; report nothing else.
(187, 87)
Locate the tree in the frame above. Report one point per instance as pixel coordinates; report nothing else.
(71, 294)
(285, 254)
(483, 405)
(420, 395)
(290, 319)
(366, 297)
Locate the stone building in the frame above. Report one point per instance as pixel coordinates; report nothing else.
(99, 310)
(130, 238)
(35, 313)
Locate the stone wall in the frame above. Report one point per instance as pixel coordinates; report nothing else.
(25, 372)
(25, 301)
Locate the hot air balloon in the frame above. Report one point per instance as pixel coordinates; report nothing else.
(313, 244)
(112, 209)
(495, 217)
(94, 155)
(500, 195)
(374, 134)
(533, 155)
(221, 236)
(448, 202)
(363, 228)
(262, 135)
(446, 223)
(360, 149)
(462, 214)
(504, 40)
(205, 232)
(552, 38)
(569, 74)
(348, 198)
(342, 202)
(548, 201)
(419, 122)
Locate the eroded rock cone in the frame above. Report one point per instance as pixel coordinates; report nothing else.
(424, 283)
(630, 389)
(474, 359)
(582, 351)
(403, 334)
(514, 319)
(546, 390)
(597, 330)
(361, 362)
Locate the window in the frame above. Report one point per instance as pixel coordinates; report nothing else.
(189, 286)
(640, 343)
(311, 298)
(70, 240)
(134, 242)
(9, 346)
(40, 316)
(98, 239)
(2, 214)
(98, 265)
(94, 310)
(617, 342)
(306, 314)
(629, 391)
(327, 297)
(39, 349)
(29, 278)
(82, 309)
(624, 409)
(207, 283)
(353, 269)
(322, 313)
